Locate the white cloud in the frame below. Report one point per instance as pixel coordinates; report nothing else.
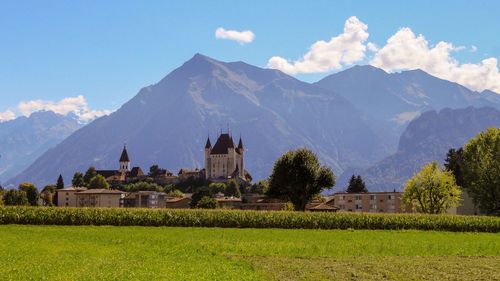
(242, 37)
(473, 49)
(76, 105)
(7, 116)
(344, 49)
(405, 50)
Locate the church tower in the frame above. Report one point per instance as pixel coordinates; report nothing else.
(124, 161)
(208, 150)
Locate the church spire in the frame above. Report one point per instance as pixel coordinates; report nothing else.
(124, 157)
(209, 144)
(240, 144)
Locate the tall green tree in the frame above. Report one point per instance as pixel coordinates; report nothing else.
(432, 190)
(78, 180)
(454, 162)
(60, 182)
(89, 175)
(207, 203)
(356, 185)
(49, 195)
(14, 197)
(154, 171)
(203, 191)
(298, 176)
(232, 189)
(482, 170)
(261, 187)
(98, 182)
(31, 192)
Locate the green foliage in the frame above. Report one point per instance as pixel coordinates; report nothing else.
(432, 190)
(31, 192)
(244, 219)
(154, 171)
(356, 185)
(203, 191)
(78, 180)
(143, 186)
(482, 170)
(261, 187)
(1, 196)
(60, 182)
(297, 176)
(232, 189)
(217, 187)
(207, 203)
(454, 163)
(15, 198)
(176, 193)
(98, 182)
(49, 195)
(89, 175)
(288, 206)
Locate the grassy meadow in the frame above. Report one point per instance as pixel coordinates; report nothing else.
(176, 253)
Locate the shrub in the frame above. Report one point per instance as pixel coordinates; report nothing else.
(207, 203)
(243, 219)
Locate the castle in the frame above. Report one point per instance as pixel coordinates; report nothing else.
(224, 160)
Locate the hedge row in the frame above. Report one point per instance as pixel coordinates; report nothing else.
(243, 219)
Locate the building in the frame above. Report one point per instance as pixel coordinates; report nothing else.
(225, 160)
(124, 173)
(179, 202)
(145, 199)
(101, 198)
(370, 202)
(66, 197)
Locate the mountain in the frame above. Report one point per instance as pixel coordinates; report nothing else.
(167, 124)
(397, 98)
(427, 138)
(24, 139)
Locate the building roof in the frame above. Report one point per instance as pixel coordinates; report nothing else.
(240, 144)
(323, 207)
(135, 172)
(224, 142)
(108, 173)
(101, 191)
(208, 145)
(71, 188)
(124, 157)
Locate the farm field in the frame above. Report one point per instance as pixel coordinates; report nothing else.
(175, 253)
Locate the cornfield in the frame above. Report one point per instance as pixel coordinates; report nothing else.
(244, 219)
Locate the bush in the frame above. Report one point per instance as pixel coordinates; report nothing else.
(15, 197)
(207, 203)
(243, 219)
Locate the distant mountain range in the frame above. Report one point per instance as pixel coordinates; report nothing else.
(398, 98)
(24, 139)
(427, 138)
(351, 119)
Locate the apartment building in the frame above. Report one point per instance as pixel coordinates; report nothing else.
(370, 202)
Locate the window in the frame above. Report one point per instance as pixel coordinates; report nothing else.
(358, 207)
(372, 197)
(358, 197)
(391, 197)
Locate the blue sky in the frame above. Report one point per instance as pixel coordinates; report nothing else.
(107, 50)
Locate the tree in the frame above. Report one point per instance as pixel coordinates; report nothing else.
(432, 190)
(154, 171)
(217, 187)
(454, 163)
(31, 192)
(78, 180)
(14, 197)
(60, 182)
(98, 182)
(143, 186)
(49, 195)
(298, 176)
(89, 175)
(200, 193)
(207, 203)
(356, 185)
(260, 188)
(232, 189)
(482, 170)
(176, 193)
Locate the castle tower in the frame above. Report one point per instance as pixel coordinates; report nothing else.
(241, 151)
(124, 161)
(208, 150)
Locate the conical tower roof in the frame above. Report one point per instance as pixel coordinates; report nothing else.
(124, 157)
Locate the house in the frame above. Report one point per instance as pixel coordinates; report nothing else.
(225, 160)
(373, 202)
(185, 174)
(102, 198)
(179, 202)
(229, 202)
(66, 197)
(145, 199)
(124, 173)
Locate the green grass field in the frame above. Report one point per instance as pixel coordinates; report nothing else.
(163, 253)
